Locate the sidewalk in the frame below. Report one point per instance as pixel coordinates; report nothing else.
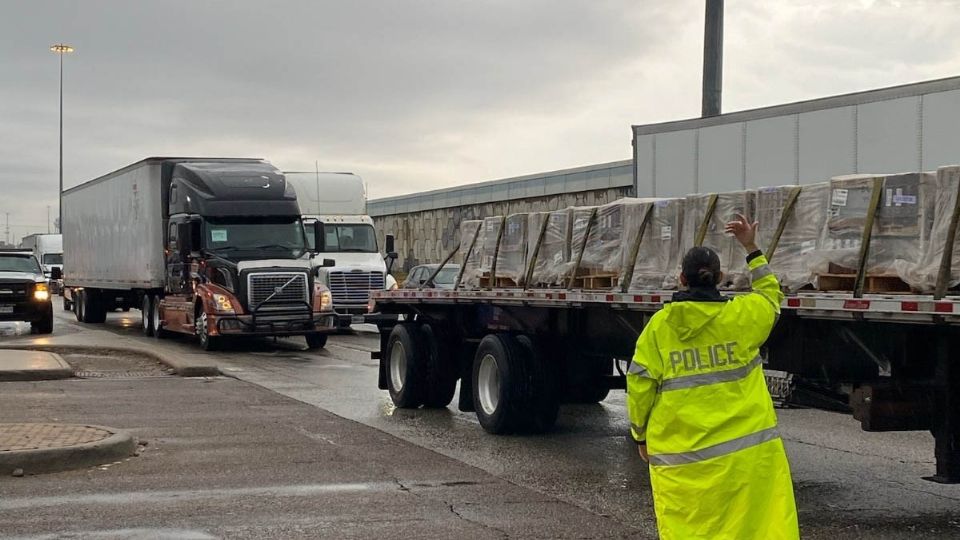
(229, 459)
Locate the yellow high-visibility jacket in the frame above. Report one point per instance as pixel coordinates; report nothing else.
(696, 394)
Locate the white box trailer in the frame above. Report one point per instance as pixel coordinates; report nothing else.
(113, 230)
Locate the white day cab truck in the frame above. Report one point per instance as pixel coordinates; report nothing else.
(211, 247)
(48, 249)
(338, 202)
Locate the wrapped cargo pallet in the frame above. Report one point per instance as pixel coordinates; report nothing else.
(512, 256)
(659, 256)
(491, 244)
(708, 214)
(471, 248)
(580, 222)
(609, 245)
(552, 252)
(807, 208)
(922, 275)
(902, 221)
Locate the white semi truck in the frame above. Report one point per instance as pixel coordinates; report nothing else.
(338, 201)
(48, 249)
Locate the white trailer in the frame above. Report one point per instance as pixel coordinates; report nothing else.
(48, 249)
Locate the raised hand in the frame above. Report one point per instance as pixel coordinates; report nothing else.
(744, 231)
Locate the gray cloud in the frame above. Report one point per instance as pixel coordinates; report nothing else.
(412, 95)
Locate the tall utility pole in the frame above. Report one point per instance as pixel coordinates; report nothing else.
(712, 57)
(48, 219)
(61, 49)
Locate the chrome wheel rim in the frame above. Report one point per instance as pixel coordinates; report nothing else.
(145, 312)
(398, 366)
(155, 314)
(488, 384)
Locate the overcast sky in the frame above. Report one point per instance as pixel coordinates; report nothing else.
(414, 95)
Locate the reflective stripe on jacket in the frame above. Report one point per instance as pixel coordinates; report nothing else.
(697, 395)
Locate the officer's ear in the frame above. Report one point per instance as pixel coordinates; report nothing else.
(683, 279)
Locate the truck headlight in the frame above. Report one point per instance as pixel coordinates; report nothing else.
(326, 300)
(222, 303)
(41, 292)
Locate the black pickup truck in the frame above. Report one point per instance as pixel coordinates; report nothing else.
(25, 291)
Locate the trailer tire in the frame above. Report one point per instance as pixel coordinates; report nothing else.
(440, 367)
(67, 305)
(78, 305)
(146, 315)
(406, 359)
(543, 393)
(316, 341)
(591, 388)
(501, 384)
(93, 308)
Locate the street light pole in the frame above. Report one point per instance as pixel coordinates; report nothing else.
(61, 49)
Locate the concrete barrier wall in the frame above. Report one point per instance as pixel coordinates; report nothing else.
(428, 236)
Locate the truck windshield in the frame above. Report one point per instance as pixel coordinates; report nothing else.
(15, 263)
(53, 258)
(343, 237)
(283, 239)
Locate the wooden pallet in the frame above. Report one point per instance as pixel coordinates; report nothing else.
(876, 283)
(501, 282)
(596, 281)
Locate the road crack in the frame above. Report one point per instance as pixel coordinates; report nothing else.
(450, 506)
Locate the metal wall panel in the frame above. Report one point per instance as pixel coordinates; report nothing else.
(675, 164)
(644, 156)
(771, 152)
(887, 136)
(720, 159)
(827, 144)
(941, 129)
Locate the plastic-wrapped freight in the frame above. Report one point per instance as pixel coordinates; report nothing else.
(610, 242)
(512, 256)
(470, 258)
(801, 231)
(901, 229)
(922, 275)
(580, 222)
(733, 261)
(491, 242)
(659, 256)
(553, 253)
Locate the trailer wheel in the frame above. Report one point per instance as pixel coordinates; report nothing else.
(507, 387)
(67, 305)
(93, 308)
(78, 305)
(440, 371)
(543, 393)
(405, 366)
(587, 384)
(146, 315)
(158, 330)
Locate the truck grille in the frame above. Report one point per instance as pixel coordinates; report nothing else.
(262, 285)
(354, 287)
(13, 292)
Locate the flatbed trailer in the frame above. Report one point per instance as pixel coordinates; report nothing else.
(519, 353)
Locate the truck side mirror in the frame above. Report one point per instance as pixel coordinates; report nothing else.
(184, 239)
(196, 236)
(319, 239)
(389, 242)
(56, 273)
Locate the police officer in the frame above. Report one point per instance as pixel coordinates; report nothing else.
(700, 410)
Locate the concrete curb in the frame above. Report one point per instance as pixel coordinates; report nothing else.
(180, 366)
(117, 446)
(8, 375)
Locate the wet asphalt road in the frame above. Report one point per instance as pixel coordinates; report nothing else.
(849, 484)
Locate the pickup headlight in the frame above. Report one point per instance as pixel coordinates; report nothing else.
(41, 292)
(222, 303)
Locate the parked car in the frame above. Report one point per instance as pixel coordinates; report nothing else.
(25, 291)
(420, 274)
